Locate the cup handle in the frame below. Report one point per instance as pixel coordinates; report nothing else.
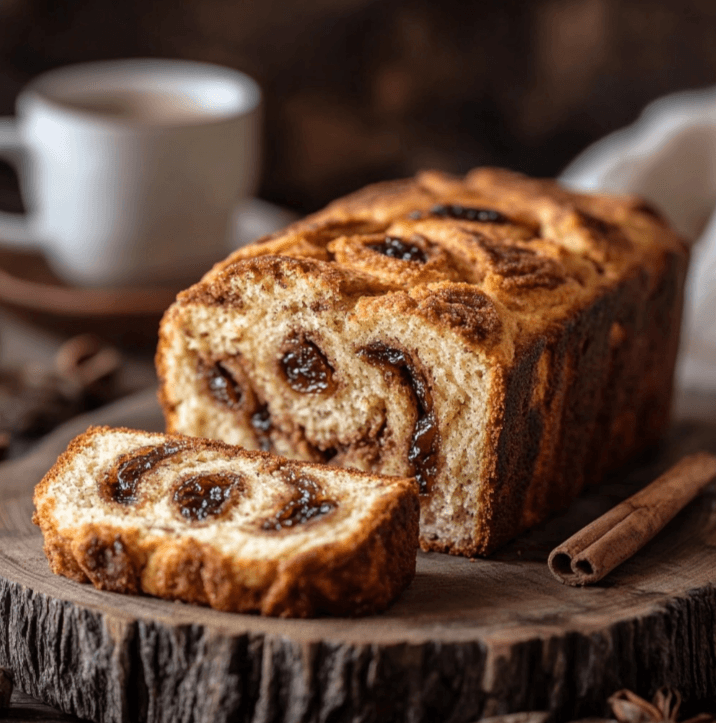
(14, 227)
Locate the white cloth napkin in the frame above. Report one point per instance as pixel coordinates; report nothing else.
(669, 156)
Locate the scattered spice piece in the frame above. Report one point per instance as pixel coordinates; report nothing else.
(88, 365)
(628, 707)
(30, 402)
(6, 686)
(34, 399)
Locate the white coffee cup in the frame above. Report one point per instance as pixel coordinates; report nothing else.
(131, 169)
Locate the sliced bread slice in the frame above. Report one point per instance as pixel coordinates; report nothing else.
(201, 521)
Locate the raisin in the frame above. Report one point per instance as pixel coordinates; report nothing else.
(425, 440)
(307, 503)
(396, 248)
(223, 387)
(108, 564)
(261, 422)
(306, 368)
(203, 496)
(121, 484)
(466, 213)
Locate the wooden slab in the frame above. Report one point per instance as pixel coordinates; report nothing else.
(468, 639)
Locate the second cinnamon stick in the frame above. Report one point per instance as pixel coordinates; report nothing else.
(598, 548)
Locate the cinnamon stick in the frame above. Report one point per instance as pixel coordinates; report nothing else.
(598, 548)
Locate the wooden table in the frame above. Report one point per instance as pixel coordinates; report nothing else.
(468, 639)
(24, 707)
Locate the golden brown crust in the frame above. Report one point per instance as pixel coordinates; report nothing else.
(355, 575)
(570, 301)
(554, 252)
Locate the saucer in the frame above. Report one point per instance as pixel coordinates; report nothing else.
(128, 317)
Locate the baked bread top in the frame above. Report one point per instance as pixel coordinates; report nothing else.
(202, 521)
(504, 254)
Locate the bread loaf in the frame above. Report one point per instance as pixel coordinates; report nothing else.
(204, 522)
(504, 340)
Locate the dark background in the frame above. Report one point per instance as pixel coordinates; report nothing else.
(361, 90)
